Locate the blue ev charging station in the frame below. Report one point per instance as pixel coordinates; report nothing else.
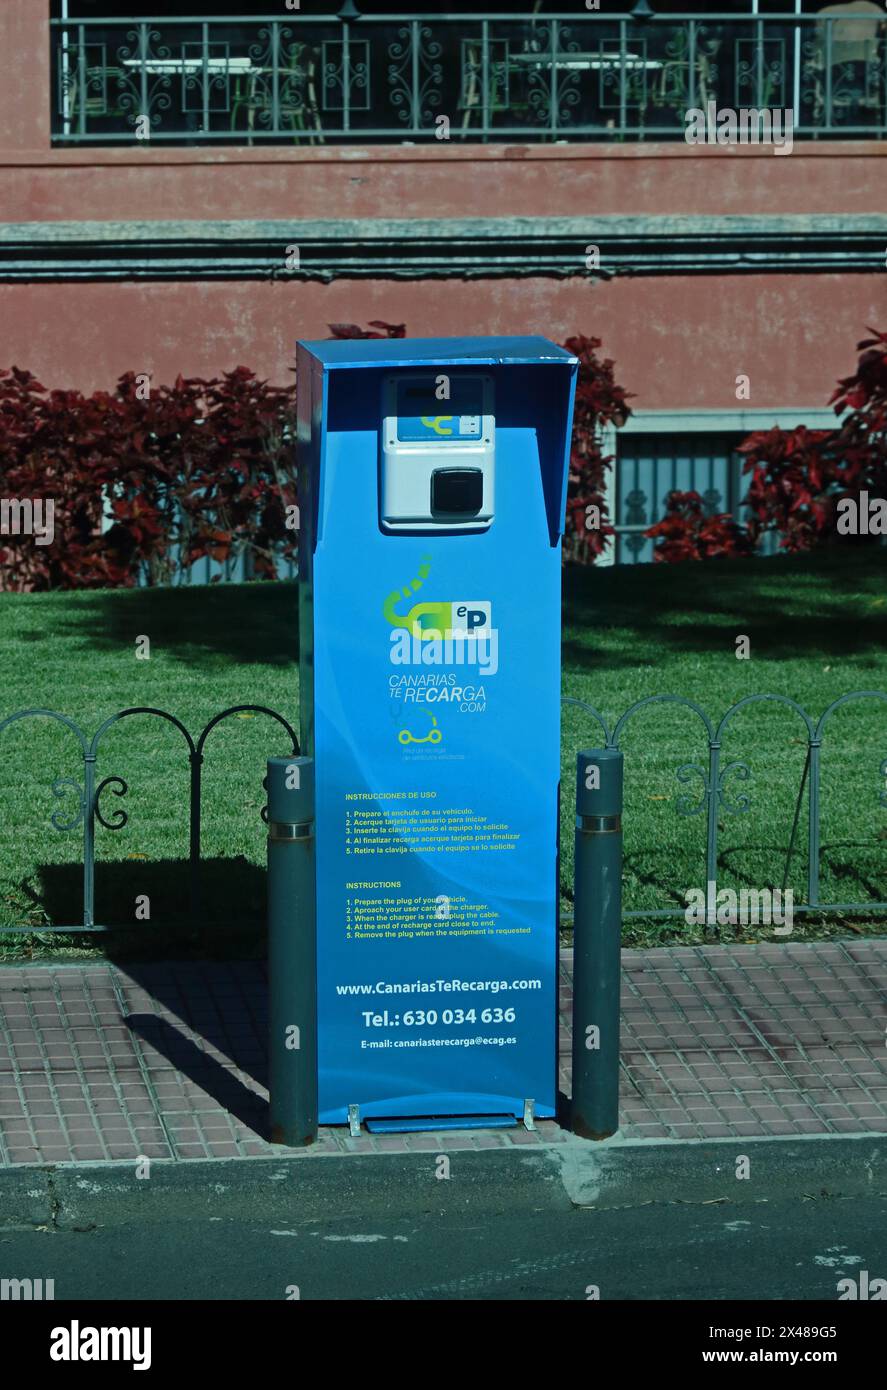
(432, 484)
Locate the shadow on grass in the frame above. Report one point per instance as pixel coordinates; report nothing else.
(231, 917)
(239, 623)
(827, 604)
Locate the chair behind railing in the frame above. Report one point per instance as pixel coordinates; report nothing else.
(848, 56)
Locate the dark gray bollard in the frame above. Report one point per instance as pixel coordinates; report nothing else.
(292, 951)
(597, 940)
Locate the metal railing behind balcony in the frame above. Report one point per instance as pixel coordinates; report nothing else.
(386, 78)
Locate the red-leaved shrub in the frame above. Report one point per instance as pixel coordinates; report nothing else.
(800, 476)
(599, 402)
(147, 479)
(204, 466)
(687, 533)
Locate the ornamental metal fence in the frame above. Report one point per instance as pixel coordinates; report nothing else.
(249, 79)
(89, 794)
(711, 799)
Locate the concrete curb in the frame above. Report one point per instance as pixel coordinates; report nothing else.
(83, 1196)
(572, 1172)
(630, 1172)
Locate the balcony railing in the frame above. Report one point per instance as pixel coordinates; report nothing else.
(383, 78)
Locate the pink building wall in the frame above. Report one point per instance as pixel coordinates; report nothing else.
(678, 340)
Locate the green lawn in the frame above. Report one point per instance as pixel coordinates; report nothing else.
(817, 627)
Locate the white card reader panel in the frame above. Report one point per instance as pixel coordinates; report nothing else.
(437, 469)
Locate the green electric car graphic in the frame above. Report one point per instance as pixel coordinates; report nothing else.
(434, 736)
(424, 619)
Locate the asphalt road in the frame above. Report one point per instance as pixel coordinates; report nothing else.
(762, 1250)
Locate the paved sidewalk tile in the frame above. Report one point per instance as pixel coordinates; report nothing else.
(169, 1060)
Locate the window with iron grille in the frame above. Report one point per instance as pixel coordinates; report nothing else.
(650, 466)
